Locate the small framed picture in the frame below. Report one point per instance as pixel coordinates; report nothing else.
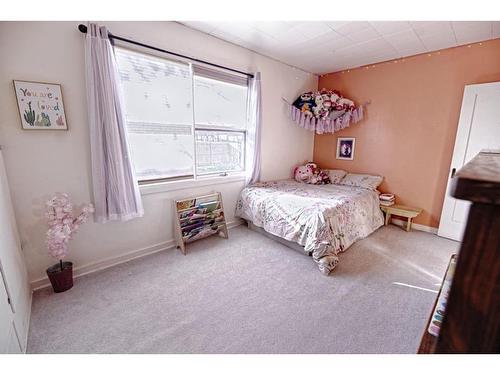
(40, 105)
(345, 148)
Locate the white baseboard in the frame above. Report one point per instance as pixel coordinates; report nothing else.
(420, 227)
(113, 261)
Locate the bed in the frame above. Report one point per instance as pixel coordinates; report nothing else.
(323, 219)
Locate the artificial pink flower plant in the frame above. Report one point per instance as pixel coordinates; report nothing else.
(62, 223)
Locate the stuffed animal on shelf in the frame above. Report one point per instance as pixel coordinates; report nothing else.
(318, 108)
(305, 102)
(306, 109)
(334, 97)
(346, 103)
(324, 104)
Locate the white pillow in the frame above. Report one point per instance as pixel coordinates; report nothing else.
(336, 175)
(365, 181)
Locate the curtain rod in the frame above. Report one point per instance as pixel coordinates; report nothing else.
(83, 29)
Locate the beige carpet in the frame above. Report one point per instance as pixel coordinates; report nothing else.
(250, 294)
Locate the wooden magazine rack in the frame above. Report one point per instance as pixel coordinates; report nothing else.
(198, 217)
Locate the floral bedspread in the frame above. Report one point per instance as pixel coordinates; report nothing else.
(325, 219)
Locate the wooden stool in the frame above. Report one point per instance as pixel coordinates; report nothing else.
(398, 210)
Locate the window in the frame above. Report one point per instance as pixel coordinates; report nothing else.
(183, 121)
(220, 125)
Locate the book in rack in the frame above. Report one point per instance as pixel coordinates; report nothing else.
(197, 218)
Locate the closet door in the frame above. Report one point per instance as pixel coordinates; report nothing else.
(8, 338)
(478, 129)
(15, 278)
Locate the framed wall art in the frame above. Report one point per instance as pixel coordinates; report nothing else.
(40, 105)
(345, 148)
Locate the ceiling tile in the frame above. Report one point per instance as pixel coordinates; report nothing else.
(469, 32)
(390, 27)
(416, 50)
(330, 46)
(404, 39)
(206, 27)
(313, 29)
(425, 28)
(338, 43)
(273, 27)
(290, 37)
(434, 34)
(246, 37)
(439, 41)
(363, 35)
(334, 25)
(352, 27)
(495, 29)
(331, 38)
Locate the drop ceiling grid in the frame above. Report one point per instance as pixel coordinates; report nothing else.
(339, 45)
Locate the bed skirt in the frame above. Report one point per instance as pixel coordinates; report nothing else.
(292, 245)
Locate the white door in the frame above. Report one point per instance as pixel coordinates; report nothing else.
(478, 129)
(15, 278)
(8, 338)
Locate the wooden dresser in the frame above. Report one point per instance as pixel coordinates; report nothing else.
(472, 317)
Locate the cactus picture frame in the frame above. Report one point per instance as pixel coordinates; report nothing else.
(41, 105)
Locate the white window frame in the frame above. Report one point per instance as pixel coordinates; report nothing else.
(179, 183)
(215, 129)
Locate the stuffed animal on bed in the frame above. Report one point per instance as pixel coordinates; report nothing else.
(320, 176)
(303, 173)
(310, 173)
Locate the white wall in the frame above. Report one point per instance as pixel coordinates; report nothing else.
(42, 162)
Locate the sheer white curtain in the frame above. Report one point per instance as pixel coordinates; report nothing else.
(116, 191)
(254, 114)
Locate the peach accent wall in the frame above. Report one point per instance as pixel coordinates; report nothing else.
(409, 129)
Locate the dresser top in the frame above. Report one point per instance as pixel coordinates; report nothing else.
(484, 167)
(479, 179)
